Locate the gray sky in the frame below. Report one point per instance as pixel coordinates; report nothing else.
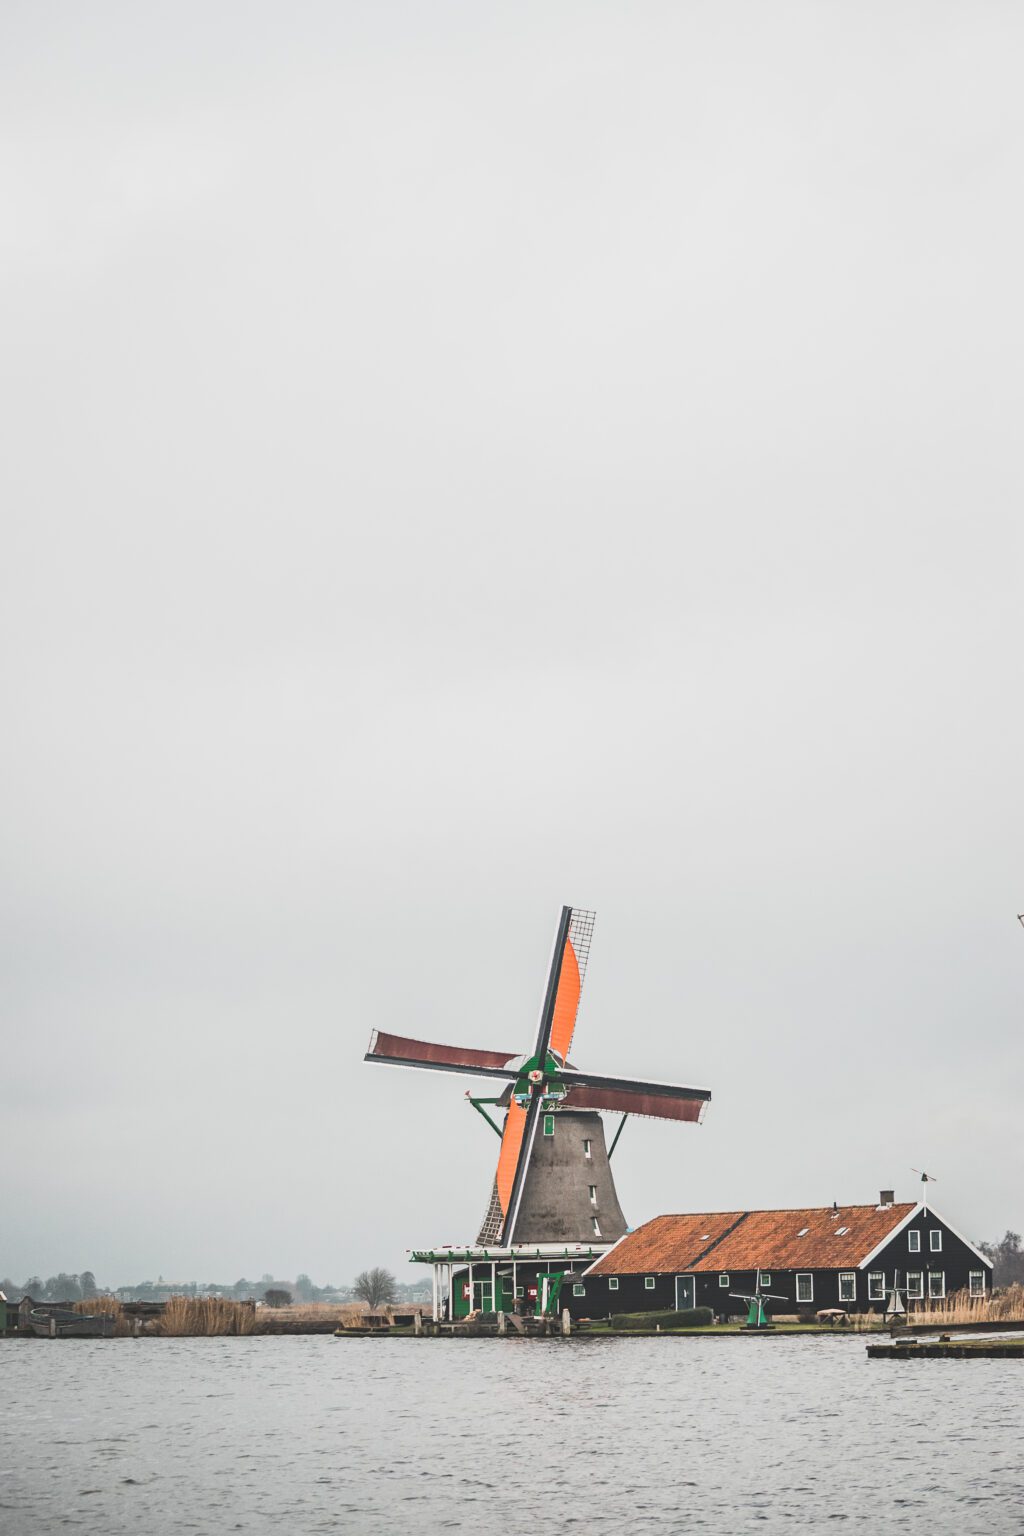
(460, 459)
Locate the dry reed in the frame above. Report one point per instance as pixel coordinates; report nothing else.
(1007, 1307)
(108, 1306)
(205, 1317)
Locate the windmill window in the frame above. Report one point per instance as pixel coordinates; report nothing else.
(648, 1282)
(915, 1285)
(586, 1149)
(549, 1125)
(613, 1282)
(977, 1280)
(935, 1240)
(805, 1287)
(847, 1285)
(876, 1286)
(723, 1281)
(913, 1241)
(593, 1194)
(597, 1229)
(579, 1290)
(936, 1284)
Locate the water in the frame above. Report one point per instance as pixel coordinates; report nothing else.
(303, 1435)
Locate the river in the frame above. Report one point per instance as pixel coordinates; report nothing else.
(522, 1437)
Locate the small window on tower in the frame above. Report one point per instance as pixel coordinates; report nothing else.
(586, 1149)
(597, 1229)
(593, 1194)
(549, 1125)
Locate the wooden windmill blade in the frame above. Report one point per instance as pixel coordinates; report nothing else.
(402, 1051)
(561, 1003)
(632, 1096)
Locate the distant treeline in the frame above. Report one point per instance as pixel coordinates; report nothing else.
(1008, 1259)
(84, 1286)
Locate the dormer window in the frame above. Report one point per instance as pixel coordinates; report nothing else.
(803, 1231)
(841, 1230)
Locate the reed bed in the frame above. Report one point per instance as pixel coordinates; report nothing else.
(108, 1306)
(205, 1317)
(1007, 1307)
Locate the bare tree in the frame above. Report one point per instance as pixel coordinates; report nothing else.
(277, 1296)
(375, 1286)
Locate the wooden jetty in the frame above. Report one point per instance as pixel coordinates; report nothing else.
(947, 1348)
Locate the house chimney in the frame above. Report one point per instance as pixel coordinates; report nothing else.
(887, 1197)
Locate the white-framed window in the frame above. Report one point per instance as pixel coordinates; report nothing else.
(805, 1287)
(803, 1231)
(613, 1282)
(935, 1240)
(977, 1282)
(597, 1229)
(586, 1149)
(763, 1280)
(876, 1286)
(549, 1125)
(593, 1194)
(936, 1284)
(579, 1290)
(847, 1285)
(648, 1282)
(841, 1231)
(913, 1240)
(915, 1285)
(520, 1290)
(723, 1281)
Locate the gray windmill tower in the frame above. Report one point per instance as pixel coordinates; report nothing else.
(553, 1182)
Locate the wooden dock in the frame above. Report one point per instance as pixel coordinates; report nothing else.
(947, 1348)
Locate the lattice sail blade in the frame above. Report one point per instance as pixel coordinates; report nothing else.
(570, 982)
(401, 1051)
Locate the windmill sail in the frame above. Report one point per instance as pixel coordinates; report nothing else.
(630, 1096)
(401, 1051)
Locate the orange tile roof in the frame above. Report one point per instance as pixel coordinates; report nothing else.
(749, 1240)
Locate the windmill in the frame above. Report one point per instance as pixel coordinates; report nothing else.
(553, 1179)
(757, 1316)
(895, 1306)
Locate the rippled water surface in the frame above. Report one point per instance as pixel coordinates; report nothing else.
(305, 1435)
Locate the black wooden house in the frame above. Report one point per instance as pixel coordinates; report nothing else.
(846, 1257)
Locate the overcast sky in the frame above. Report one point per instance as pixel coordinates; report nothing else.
(464, 458)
